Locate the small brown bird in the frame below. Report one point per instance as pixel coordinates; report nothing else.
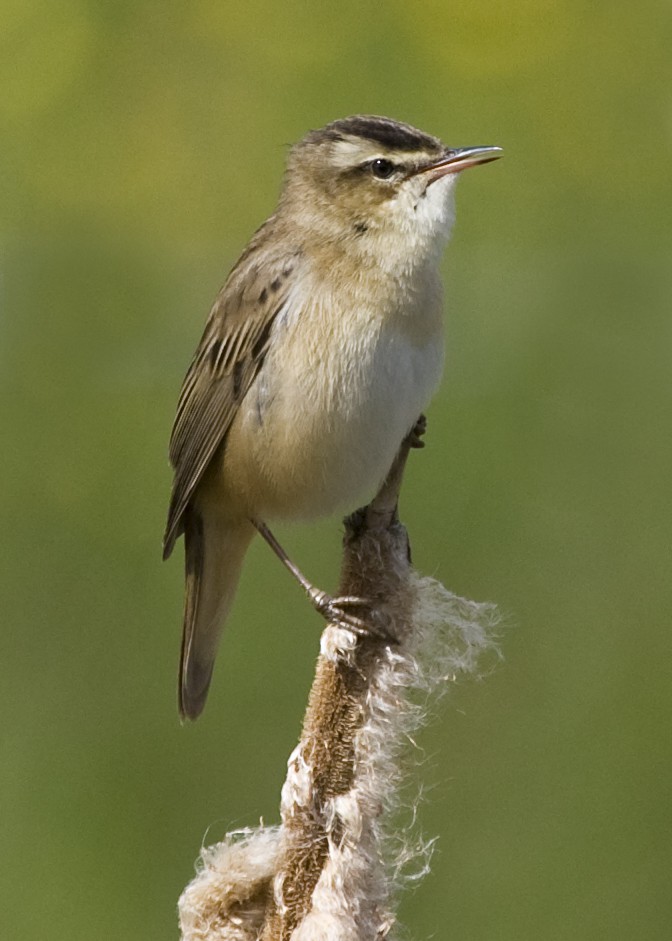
(319, 354)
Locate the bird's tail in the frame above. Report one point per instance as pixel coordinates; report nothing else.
(214, 552)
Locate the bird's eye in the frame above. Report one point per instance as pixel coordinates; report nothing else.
(382, 169)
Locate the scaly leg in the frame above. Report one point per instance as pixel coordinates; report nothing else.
(332, 609)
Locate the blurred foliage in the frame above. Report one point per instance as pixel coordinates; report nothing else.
(141, 145)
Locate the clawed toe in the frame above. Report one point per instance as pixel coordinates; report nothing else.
(335, 609)
(416, 433)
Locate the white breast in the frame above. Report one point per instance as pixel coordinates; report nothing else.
(339, 390)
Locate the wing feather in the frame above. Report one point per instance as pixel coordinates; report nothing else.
(227, 360)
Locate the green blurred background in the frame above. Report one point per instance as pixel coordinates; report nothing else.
(141, 144)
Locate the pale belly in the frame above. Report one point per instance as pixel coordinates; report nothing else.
(319, 429)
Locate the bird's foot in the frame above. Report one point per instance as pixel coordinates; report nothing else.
(416, 433)
(336, 610)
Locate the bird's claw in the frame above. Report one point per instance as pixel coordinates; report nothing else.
(416, 433)
(335, 610)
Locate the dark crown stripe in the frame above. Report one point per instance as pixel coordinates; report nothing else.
(383, 131)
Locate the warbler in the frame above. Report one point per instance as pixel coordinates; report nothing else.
(320, 352)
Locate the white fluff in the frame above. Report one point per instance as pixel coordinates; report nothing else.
(226, 900)
(376, 853)
(371, 852)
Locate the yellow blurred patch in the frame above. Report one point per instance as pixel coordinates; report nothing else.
(43, 48)
(481, 38)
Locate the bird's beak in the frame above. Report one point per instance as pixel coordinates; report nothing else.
(454, 161)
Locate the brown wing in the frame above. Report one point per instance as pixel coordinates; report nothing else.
(228, 358)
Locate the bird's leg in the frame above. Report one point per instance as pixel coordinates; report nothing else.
(332, 609)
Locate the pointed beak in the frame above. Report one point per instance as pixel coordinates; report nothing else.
(454, 161)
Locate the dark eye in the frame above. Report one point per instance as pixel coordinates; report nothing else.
(382, 169)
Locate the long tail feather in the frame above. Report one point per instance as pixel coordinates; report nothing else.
(214, 552)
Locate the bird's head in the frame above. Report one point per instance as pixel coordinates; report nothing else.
(377, 182)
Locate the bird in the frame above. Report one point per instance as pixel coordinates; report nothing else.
(321, 350)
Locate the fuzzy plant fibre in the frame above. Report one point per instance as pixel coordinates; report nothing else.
(333, 869)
